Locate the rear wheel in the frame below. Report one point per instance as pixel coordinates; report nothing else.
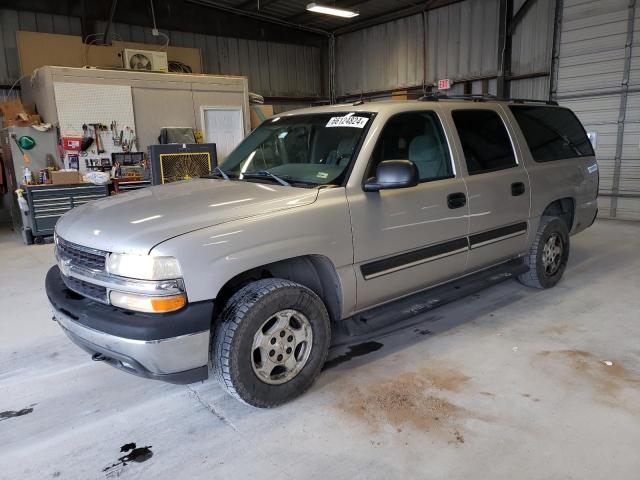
(549, 254)
(271, 342)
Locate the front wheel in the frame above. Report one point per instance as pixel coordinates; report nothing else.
(548, 256)
(270, 342)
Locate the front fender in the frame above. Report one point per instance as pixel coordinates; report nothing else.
(210, 257)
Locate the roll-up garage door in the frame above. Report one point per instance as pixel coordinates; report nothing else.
(598, 76)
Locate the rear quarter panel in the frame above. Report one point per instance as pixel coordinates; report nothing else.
(558, 179)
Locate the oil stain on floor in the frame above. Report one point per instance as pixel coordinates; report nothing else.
(411, 400)
(133, 454)
(15, 413)
(585, 369)
(353, 351)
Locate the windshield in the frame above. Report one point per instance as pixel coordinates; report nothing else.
(312, 149)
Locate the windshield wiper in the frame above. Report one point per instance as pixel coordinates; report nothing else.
(267, 173)
(220, 172)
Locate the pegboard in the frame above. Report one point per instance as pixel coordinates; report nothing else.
(81, 104)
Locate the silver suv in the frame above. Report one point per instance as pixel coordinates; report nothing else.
(318, 216)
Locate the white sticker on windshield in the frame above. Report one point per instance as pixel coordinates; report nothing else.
(348, 120)
(322, 175)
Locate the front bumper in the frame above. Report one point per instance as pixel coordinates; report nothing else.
(173, 347)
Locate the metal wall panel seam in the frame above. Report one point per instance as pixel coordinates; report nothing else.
(555, 56)
(623, 108)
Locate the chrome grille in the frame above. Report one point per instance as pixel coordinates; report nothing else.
(80, 256)
(86, 289)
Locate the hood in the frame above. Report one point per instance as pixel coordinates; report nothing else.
(135, 222)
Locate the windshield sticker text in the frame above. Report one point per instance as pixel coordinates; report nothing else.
(348, 121)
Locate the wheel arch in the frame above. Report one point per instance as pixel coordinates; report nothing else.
(563, 208)
(316, 272)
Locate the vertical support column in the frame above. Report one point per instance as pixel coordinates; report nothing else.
(555, 52)
(425, 54)
(624, 91)
(332, 69)
(504, 48)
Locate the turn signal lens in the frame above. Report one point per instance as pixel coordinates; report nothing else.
(147, 304)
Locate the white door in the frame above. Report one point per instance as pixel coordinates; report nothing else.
(223, 126)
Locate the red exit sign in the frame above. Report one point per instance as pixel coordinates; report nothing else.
(444, 84)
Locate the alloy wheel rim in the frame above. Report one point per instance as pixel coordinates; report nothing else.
(281, 347)
(552, 254)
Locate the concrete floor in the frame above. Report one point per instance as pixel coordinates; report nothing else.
(510, 383)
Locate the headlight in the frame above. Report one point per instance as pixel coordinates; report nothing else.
(143, 267)
(147, 304)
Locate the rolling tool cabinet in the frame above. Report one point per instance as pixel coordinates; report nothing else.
(47, 203)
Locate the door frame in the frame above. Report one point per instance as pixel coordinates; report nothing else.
(205, 108)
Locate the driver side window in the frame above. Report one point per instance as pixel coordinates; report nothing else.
(415, 136)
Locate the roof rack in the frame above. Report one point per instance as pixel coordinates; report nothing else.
(529, 100)
(434, 97)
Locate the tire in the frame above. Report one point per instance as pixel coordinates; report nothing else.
(245, 373)
(542, 272)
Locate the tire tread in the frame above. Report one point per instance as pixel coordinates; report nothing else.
(229, 321)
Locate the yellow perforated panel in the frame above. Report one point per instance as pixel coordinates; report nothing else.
(184, 166)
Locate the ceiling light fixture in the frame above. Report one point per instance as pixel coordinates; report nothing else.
(337, 12)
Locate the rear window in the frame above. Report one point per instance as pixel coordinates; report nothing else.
(485, 141)
(552, 133)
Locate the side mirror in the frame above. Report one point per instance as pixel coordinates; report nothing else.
(393, 174)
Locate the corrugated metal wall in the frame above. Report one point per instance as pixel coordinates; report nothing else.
(383, 57)
(11, 21)
(273, 69)
(531, 50)
(460, 43)
(392, 55)
(591, 81)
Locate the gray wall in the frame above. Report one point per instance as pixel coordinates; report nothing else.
(273, 69)
(459, 41)
(531, 50)
(600, 80)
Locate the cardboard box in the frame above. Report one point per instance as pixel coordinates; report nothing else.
(66, 177)
(36, 49)
(259, 113)
(405, 95)
(12, 111)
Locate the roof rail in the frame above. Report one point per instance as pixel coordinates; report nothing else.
(434, 97)
(529, 100)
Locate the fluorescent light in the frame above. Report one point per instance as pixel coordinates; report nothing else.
(338, 12)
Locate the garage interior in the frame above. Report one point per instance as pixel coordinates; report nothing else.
(508, 382)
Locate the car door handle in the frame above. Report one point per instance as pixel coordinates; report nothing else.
(517, 188)
(456, 200)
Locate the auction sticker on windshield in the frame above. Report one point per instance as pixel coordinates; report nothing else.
(347, 121)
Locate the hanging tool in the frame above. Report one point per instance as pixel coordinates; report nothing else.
(114, 133)
(97, 131)
(87, 140)
(25, 157)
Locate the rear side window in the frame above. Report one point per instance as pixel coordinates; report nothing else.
(552, 133)
(485, 141)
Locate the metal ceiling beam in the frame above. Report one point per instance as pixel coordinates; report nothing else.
(504, 48)
(259, 5)
(517, 18)
(393, 15)
(258, 16)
